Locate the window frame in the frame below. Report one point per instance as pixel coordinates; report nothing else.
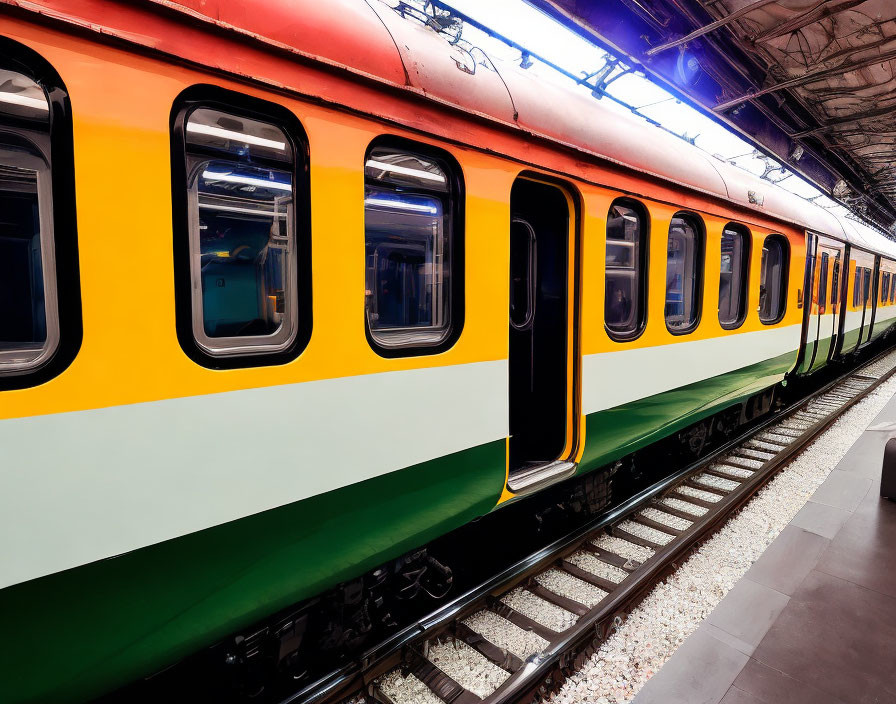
(785, 279)
(238, 105)
(643, 271)
(699, 268)
(744, 232)
(53, 145)
(456, 208)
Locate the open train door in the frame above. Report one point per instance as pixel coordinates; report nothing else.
(823, 302)
(544, 356)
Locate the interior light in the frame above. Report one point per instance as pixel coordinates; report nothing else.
(248, 180)
(213, 131)
(401, 205)
(234, 209)
(419, 173)
(24, 100)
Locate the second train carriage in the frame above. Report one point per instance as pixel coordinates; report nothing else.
(289, 290)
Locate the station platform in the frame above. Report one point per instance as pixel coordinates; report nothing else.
(813, 621)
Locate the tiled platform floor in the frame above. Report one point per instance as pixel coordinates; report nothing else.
(814, 619)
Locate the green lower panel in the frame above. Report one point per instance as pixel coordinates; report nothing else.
(74, 634)
(618, 431)
(880, 327)
(850, 339)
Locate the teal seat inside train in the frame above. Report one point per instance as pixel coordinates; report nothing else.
(233, 277)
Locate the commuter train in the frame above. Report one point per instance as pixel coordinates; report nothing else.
(291, 288)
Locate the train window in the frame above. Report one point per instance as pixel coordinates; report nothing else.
(733, 276)
(684, 265)
(29, 317)
(893, 288)
(626, 266)
(835, 281)
(867, 285)
(412, 249)
(773, 279)
(884, 286)
(823, 283)
(857, 288)
(246, 214)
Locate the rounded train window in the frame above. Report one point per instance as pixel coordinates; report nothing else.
(412, 249)
(684, 267)
(40, 310)
(625, 285)
(243, 298)
(733, 275)
(773, 279)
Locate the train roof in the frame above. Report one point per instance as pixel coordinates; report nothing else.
(369, 38)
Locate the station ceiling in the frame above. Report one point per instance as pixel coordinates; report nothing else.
(811, 82)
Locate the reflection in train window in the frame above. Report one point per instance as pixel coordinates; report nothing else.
(242, 234)
(684, 265)
(410, 250)
(867, 285)
(884, 286)
(823, 283)
(857, 288)
(626, 280)
(733, 275)
(773, 279)
(29, 317)
(835, 281)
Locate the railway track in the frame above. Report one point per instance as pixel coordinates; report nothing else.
(517, 637)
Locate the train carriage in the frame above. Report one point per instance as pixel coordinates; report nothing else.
(290, 289)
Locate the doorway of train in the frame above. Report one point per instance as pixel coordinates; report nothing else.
(824, 302)
(544, 357)
(860, 304)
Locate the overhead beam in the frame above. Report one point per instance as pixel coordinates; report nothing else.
(711, 27)
(809, 77)
(855, 118)
(805, 18)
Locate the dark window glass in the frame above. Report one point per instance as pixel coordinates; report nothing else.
(523, 274)
(857, 287)
(409, 249)
(823, 283)
(867, 285)
(773, 279)
(733, 277)
(242, 234)
(884, 286)
(684, 264)
(29, 317)
(835, 282)
(625, 291)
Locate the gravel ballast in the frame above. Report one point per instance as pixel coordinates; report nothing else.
(667, 519)
(468, 667)
(715, 482)
(645, 532)
(623, 548)
(505, 634)
(407, 690)
(588, 562)
(677, 606)
(684, 506)
(571, 587)
(536, 608)
(698, 494)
